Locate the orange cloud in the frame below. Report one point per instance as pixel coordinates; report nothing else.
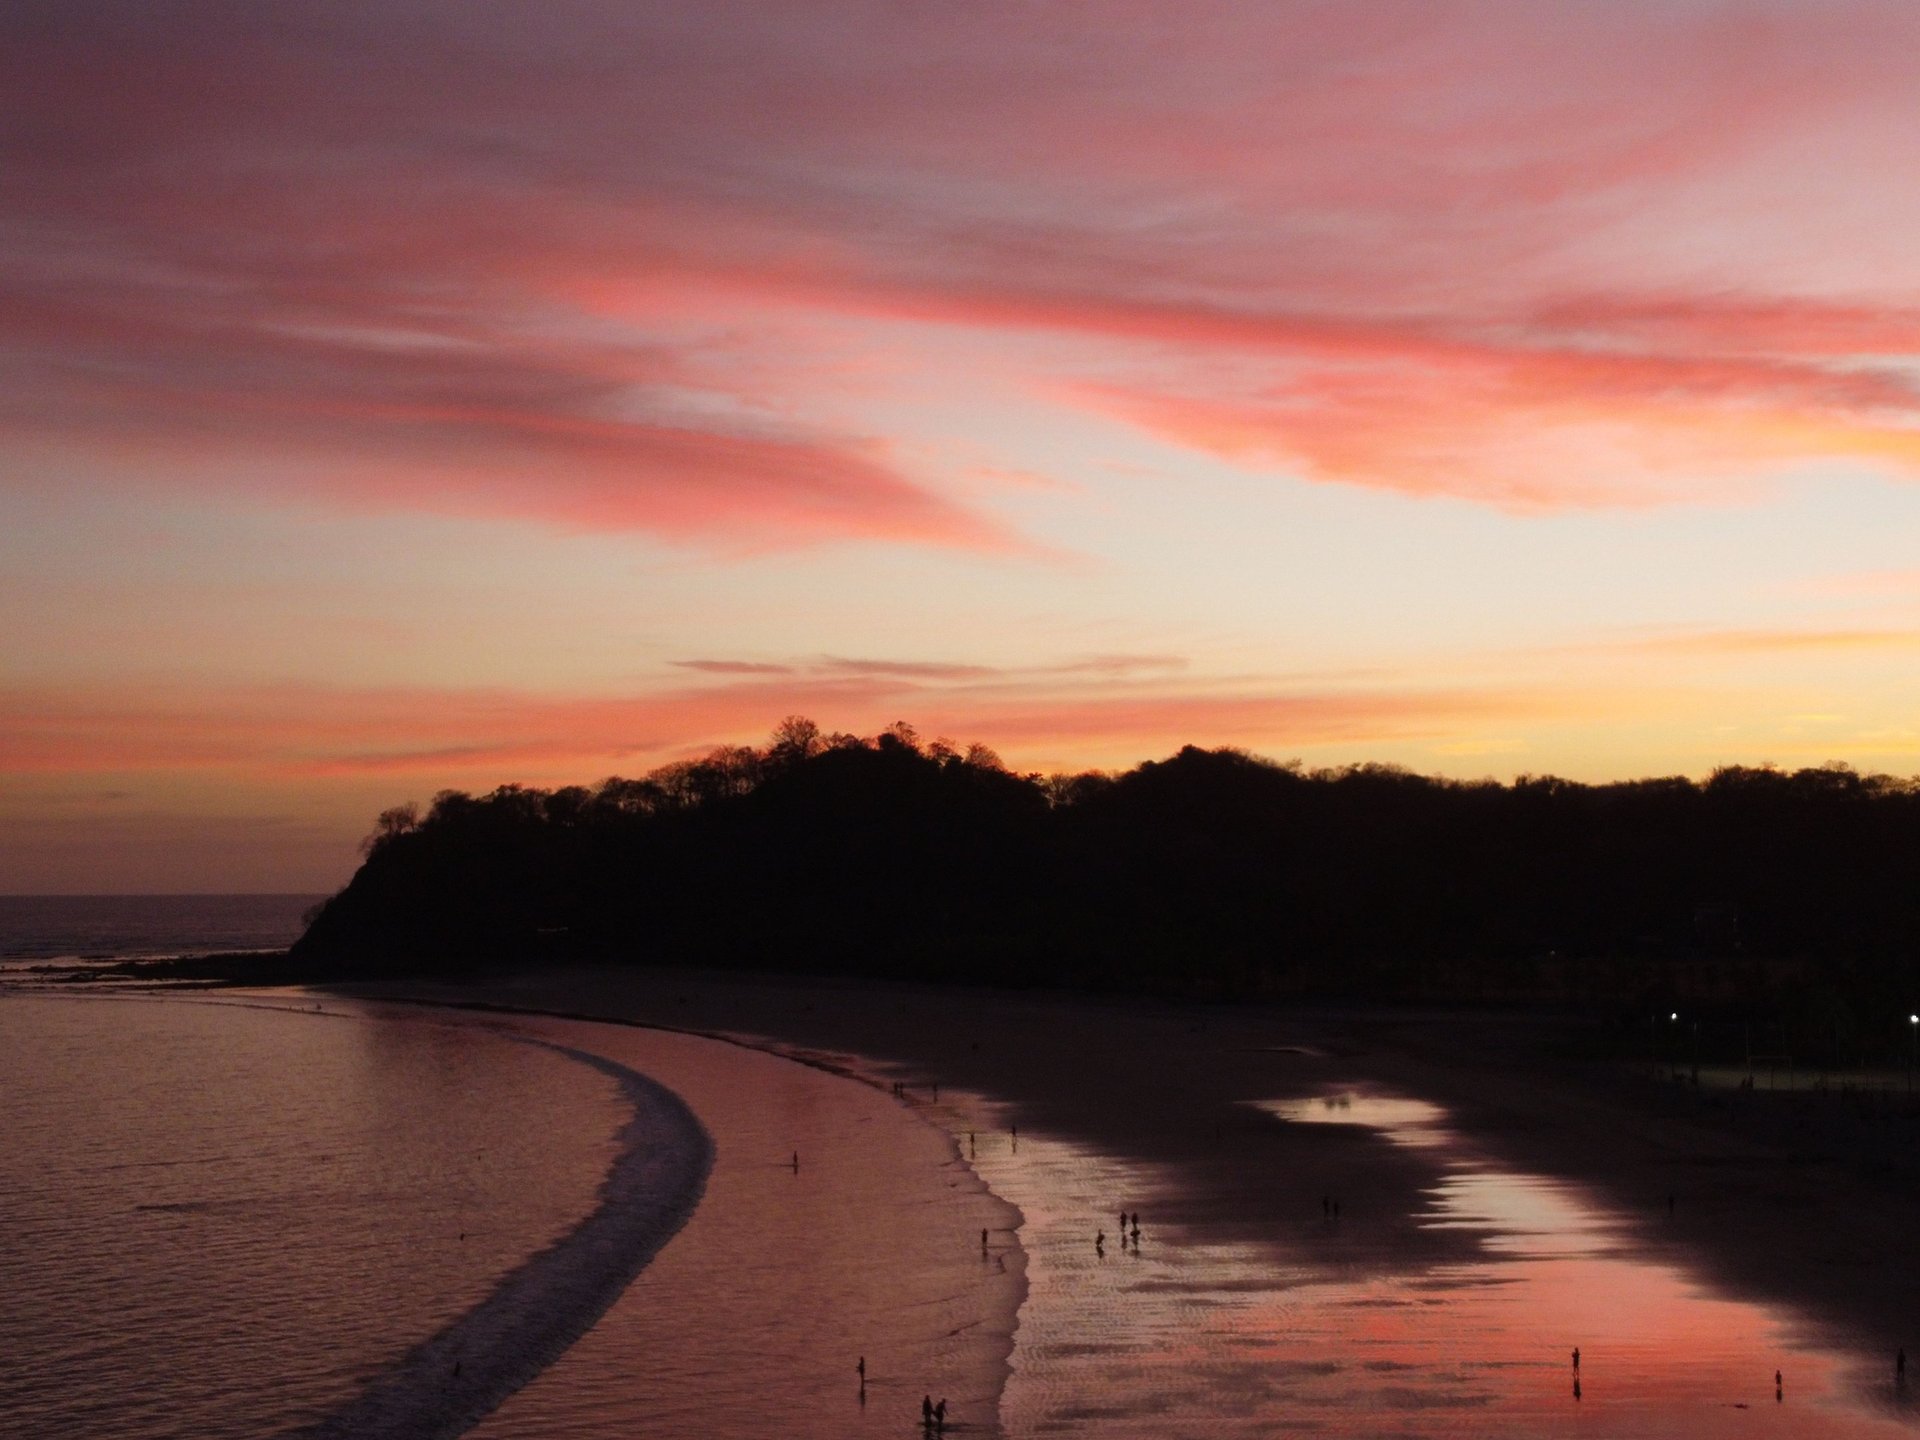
(492, 736)
(1761, 642)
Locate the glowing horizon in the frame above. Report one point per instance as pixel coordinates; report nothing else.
(437, 397)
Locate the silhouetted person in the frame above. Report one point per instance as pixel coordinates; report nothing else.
(796, 1162)
(1778, 1386)
(926, 1411)
(970, 1146)
(1576, 1357)
(1100, 1241)
(940, 1415)
(983, 1242)
(862, 1368)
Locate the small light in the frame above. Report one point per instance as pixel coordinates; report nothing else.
(1674, 1016)
(1913, 1019)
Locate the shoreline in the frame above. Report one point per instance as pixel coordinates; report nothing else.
(840, 1066)
(450, 1381)
(1766, 1209)
(724, 1306)
(893, 1317)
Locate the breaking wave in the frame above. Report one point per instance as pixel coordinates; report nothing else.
(449, 1382)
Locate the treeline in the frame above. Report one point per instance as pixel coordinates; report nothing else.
(1212, 872)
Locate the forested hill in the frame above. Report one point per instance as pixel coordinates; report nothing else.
(1209, 872)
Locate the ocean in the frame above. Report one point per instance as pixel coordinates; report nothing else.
(42, 928)
(300, 1214)
(286, 1213)
(230, 1219)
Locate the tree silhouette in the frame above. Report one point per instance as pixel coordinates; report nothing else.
(1783, 896)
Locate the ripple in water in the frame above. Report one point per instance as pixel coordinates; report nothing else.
(541, 1307)
(233, 1220)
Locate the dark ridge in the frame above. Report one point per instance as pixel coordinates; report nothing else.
(1779, 909)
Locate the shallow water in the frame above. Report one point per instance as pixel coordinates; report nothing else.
(1179, 1337)
(752, 1321)
(222, 1220)
(310, 1172)
(243, 1216)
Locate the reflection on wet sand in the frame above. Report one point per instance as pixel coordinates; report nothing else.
(1182, 1336)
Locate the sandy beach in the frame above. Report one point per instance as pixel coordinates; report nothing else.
(1494, 1211)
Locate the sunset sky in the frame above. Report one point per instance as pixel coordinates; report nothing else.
(401, 396)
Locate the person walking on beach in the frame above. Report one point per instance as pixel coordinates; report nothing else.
(926, 1412)
(1576, 1357)
(1100, 1242)
(940, 1416)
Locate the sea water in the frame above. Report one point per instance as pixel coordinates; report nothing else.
(37, 929)
(226, 1219)
(292, 1214)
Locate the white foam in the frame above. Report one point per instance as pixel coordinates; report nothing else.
(554, 1297)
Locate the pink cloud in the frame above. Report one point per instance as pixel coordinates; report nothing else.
(1453, 248)
(486, 737)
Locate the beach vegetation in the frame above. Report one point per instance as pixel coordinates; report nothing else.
(1788, 898)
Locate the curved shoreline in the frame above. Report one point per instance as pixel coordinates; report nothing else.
(1016, 1255)
(455, 1378)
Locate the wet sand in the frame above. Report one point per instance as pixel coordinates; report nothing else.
(1466, 1259)
(754, 1316)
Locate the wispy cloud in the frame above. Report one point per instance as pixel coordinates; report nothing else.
(434, 257)
(906, 669)
(733, 667)
(491, 736)
(1764, 642)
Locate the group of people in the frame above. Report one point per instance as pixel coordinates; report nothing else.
(1779, 1379)
(933, 1414)
(1129, 1229)
(933, 1417)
